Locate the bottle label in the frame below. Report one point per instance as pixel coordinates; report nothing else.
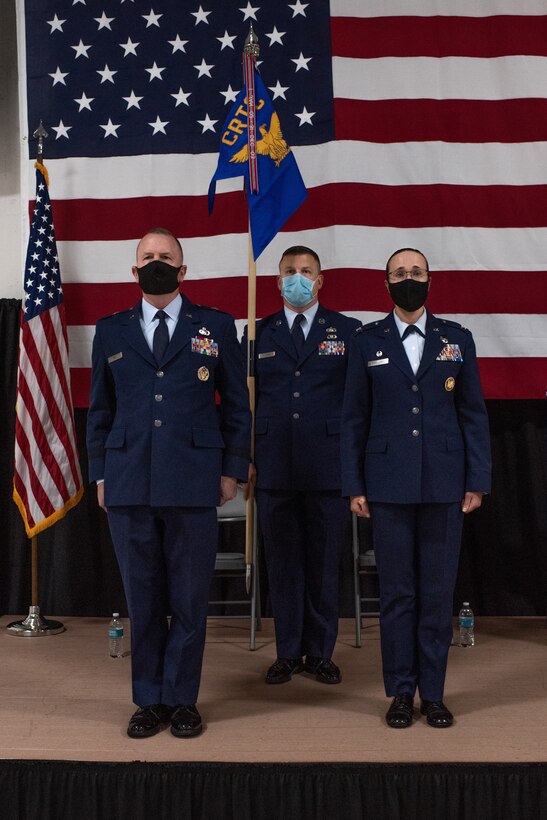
(466, 623)
(115, 633)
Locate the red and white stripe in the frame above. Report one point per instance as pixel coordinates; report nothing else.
(47, 478)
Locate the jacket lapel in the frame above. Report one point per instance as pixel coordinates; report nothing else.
(189, 322)
(316, 335)
(391, 344)
(281, 335)
(433, 344)
(133, 335)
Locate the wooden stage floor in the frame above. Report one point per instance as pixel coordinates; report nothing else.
(63, 698)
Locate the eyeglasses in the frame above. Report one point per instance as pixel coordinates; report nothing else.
(418, 274)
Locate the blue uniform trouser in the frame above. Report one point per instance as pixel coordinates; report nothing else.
(303, 537)
(417, 549)
(166, 557)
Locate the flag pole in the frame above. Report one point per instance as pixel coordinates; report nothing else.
(34, 625)
(251, 51)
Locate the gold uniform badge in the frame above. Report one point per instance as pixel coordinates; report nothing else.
(203, 374)
(450, 383)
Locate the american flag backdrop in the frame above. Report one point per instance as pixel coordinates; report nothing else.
(47, 480)
(417, 123)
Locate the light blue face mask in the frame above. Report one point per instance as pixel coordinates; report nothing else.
(297, 289)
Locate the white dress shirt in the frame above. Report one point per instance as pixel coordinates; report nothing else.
(414, 342)
(309, 316)
(149, 323)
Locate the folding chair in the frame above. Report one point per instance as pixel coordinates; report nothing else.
(233, 565)
(365, 575)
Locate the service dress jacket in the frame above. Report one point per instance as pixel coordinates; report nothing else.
(410, 439)
(299, 401)
(155, 432)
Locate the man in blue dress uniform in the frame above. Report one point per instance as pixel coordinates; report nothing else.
(300, 362)
(415, 458)
(164, 456)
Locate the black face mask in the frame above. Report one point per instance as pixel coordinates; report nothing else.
(158, 277)
(409, 295)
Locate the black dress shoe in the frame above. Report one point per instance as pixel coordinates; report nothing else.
(437, 714)
(148, 720)
(324, 669)
(283, 669)
(186, 721)
(399, 715)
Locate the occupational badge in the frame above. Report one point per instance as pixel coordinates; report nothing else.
(450, 383)
(204, 331)
(203, 374)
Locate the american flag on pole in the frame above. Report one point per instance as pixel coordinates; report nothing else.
(421, 124)
(47, 481)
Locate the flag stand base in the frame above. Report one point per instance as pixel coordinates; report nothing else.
(34, 626)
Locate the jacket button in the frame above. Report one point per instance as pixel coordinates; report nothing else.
(415, 433)
(159, 374)
(159, 397)
(297, 372)
(415, 388)
(296, 415)
(415, 410)
(157, 423)
(296, 395)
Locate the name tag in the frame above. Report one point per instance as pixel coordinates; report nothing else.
(115, 357)
(266, 355)
(376, 362)
(206, 347)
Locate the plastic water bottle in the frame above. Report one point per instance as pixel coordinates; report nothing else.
(115, 636)
(467, 625)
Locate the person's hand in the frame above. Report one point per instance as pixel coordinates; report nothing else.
(100, 495)
(359, 506)
(228, 489)
(248, 488)
(471, 501)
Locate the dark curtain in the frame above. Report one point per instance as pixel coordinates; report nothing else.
(503, 567)
(64, 790)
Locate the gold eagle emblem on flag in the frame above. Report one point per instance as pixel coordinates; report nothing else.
(271, 145)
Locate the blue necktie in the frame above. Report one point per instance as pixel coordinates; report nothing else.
(297, 332)
(161, 336)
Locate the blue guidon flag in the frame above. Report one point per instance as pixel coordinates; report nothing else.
(280, 190)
